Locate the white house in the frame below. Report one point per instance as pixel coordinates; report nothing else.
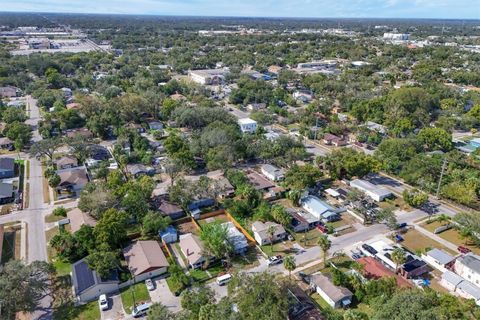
(335, 296)
(209, 76)
(460, 286)
(468, 267)
(319, 209)
(192, 248)
(87, 284)
(438, 259)
(236, 238)
(247, 125)
(376, 193)
(261, 234)
(271, 172)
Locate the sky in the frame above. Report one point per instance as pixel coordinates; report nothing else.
(451, 9)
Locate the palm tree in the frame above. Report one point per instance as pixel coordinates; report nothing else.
(398, 257)
(289, 264)
(465, 234)
(271, 232)
(443, 218)
(324, 243)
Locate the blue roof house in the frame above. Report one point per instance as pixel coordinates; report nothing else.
(169, 235)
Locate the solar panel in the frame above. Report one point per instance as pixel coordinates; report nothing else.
(85, 277)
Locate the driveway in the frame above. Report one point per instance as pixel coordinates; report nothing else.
(115, 310)
(220, 291)
(163, 295)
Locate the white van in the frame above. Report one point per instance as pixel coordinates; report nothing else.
(140, 310)
(224, 279)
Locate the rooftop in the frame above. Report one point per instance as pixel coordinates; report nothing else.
(78, 218)
(439, 255)
(471, 261)
(326, 285)
(143, 256)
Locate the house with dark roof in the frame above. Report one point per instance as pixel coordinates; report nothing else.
(72, 181)
(301, 307)
(88, 285)
(66, 162)
(145, 259)
(7, 168)
(6, 144)
(167, 208)
(6, 193)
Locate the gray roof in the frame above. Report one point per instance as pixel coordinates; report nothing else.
(471, 261)
(334, 292)
(470, 288)
(84, 275)
(7, 164)
(440, 256)
(451, 278)
(6, 190)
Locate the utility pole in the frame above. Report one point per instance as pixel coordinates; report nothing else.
(441, 177)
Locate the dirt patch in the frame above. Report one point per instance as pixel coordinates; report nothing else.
(188, 227)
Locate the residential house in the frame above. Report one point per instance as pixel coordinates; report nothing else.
(304, 96)
(320, 209)
(7, 168)
(88, 285)
(331, 139)
(374, 269)
(136, 127)
(9, 92)
(262, 235)
(256, 106)
(414, 267)
(209, 76)
(193, 250)
(460, 286)
(374, 192)
(301, 307)
(169, 209)
(72, 181)
(302, 220)
(169, 235)
(78, 218)
(73, 106)
(66, 162)
(336, 297)
(271, 172)
(258, 181)
(468, 267)
(137, 169)
(247, 125)
(373, 126)
(83, 132)
(6, 193)
(236, 238)
(145, 259)
(438, 259)
(6, 144)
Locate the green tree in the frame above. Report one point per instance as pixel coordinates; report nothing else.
(111, 229)
(324, 243)
(103, 260)
(23, 286)
(154, 222)
(19, 133)
(215, 239)
(301, 177)
(193, 300)
(387, 216)
(398, 257)
(280, 215)
(289, 264)
(435, 139)
(259, 296)
(348, 163)
(159, 312)
(415, 198)
(46, 147)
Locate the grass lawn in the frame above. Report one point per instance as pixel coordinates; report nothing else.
(398, 203)
(173, 286)
(218, 219)
(249, 260)
(184, 259)
(415, 241)
(68, 311)
(308, 239)
(199, 275)
(320, 301)
(283, 248)
(141, 295)
(451, 235)
(8, 251)
(62, 268)
(215, 270)
(49, 234)
(53, 218)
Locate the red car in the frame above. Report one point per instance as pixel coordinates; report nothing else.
(463, 249)
(322, 228)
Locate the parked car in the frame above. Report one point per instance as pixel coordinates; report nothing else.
(356, 256)
(322, 228)
(150, 285)
(140, 310)
(463, 249)
(274, 260)
(398, 238)
(103, 302)
(402, 225)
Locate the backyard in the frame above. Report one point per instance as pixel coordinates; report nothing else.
(69, 311)
(283, 248)
(308, 239)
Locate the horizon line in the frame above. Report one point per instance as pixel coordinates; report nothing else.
(227, 16)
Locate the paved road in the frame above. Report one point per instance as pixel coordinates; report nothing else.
(239, 114)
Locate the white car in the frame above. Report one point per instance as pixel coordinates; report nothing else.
(103, 302)
(150, 285)
(274, 260)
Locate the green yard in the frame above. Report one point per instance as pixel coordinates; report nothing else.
(68, 311)
(62, 268)
(138, 290)
(416, 241)
(308, 239)
(199, 275)
(283, 248)
(451, 235)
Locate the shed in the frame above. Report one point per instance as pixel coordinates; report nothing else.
(169, 235)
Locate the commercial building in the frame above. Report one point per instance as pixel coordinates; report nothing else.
(396, 36)
(371, 190)
(209, 76)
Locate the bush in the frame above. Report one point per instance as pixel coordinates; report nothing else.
(60, 212)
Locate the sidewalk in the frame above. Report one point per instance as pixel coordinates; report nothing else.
(433, 236)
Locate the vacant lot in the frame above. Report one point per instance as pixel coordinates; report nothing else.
(308, 239)
(415, 241)
(188, 227)
(451, 235)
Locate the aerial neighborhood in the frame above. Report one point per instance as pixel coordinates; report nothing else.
(205, 168)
